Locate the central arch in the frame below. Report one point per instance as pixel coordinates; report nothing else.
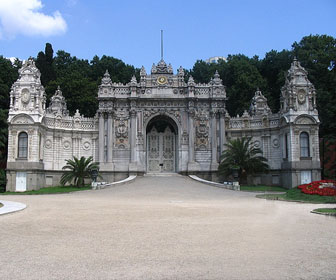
(162, 145)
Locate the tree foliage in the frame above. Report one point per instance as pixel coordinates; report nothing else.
(77, 170)
(242, 154)
(8, 75)
(44, 62)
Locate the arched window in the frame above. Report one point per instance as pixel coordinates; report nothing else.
(23, 145)
(304, 144)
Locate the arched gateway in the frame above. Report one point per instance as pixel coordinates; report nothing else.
(161, 123)
(162, 145)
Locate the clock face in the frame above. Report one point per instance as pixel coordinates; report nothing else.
(162, 80)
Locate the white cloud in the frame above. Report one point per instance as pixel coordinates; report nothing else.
(23, 17)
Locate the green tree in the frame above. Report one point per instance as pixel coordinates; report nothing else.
(119, 71)
(202, 72)
(77, 170)
(79, 89)
(44, 63)
(2, 180)
(274, 68)
(242, 154)
(8, 75)
(242, 78)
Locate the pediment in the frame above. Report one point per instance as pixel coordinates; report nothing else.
(304, 120)
(22, 119)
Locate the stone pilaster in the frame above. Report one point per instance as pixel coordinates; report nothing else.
(214, 163)
(192, 165)
(133, 135)
(101, 137)
(191, 139)
(133, 164)
(109, 137)
(221, 132)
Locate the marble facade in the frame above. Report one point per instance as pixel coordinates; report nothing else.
(159, 124)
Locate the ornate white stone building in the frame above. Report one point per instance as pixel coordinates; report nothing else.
(159, 124)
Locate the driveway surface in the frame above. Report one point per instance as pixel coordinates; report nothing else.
(165, 228)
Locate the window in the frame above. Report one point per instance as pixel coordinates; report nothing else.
(304, 144)
(23, 145)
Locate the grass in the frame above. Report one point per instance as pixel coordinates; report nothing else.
(296, 195)
(1, 205)
(326, 210)
(261, 188)
(50, 190)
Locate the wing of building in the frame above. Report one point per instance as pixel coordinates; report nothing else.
(159, 124)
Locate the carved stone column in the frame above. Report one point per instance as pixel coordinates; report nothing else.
(133, 135)
(133, 167)
(101, 137)
(191, 138)
(109, 137)
(213, 139)
(221, 132)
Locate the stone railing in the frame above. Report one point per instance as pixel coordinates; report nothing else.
(72, 123)
(253, 123)
(202, 90)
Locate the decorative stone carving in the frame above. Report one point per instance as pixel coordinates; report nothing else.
(256, 143)
(202, 130)
(140, 138)
(185, 138)
(163, 111)
(162, 68)
(180, 71)
(143, 72)
(57, 104)
(21, 119)
(259, 105)
(86, 145)
(191, 81)
(121, 133)
(66, 145)
(296, 89)
(302, 96)
(304, 120)
(48, 144)
(276, 143)
(106, 80)
(25, 96)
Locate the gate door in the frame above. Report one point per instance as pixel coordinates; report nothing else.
(21, 181)
(161, 151)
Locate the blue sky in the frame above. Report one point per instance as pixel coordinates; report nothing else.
(130, 30)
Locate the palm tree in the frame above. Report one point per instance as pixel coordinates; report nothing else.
(241, 154)
(78, 170)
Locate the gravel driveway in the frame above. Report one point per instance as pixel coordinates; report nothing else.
(165, 228)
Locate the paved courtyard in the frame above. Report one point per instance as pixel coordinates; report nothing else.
(165, 228)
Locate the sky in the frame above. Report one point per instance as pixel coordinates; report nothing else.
(131, 30)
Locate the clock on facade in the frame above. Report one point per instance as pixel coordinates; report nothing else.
(162, 80)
